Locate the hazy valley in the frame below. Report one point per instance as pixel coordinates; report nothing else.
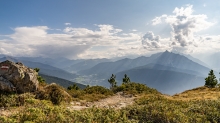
(167, 72)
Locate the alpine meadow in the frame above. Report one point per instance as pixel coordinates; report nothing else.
(111, 61)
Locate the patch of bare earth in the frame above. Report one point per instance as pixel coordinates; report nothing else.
(117, 101)
(8, 111)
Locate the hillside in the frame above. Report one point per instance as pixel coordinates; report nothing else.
(199, 93)
(168, 72)
(85, 64)
(62, 82)
(133, 104)
(166, 59)
(165, 81)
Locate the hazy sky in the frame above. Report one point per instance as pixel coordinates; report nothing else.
(108, 28)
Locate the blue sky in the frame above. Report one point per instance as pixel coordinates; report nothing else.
(105, 29)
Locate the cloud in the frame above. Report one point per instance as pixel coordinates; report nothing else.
(150, 41)
(67, 24)
(71, 43)
(184, 25)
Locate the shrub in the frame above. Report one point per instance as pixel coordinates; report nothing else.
(54, 93)
(98, 90)
(135, 88)
(73, 87)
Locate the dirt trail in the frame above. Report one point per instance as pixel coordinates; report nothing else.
(117, 101)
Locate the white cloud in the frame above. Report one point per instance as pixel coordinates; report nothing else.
(134, 30)
(150, 41)
(184, 25)
(67, 24)
(71, 43)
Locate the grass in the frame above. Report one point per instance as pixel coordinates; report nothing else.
(201, 104)
(200, 93)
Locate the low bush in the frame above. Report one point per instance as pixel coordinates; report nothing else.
(90, 94)
(135, 88)
(55, 93)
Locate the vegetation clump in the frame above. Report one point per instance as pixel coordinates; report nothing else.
(73, 87)
(135, 88)
(39, 78)
(54, 93)
(92, 93)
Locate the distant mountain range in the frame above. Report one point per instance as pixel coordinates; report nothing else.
(85, 64)
(61, 82)
(168, 80)
(168, 59)
(166, 71)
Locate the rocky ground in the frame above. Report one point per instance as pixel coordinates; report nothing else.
(117, 101)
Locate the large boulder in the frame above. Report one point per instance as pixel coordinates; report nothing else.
(17, 77)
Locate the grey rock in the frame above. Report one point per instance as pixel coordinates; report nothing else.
(6, 85)
(17, 77)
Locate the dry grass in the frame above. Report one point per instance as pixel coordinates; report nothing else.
(200, 93)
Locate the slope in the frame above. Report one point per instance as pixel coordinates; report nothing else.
(61, 82)
(166, 58)
(165, 81)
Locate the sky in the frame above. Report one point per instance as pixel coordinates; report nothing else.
(80, 29)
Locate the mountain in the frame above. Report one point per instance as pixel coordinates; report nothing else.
(44, 68)
(61, 82)
(107, 68)
(166, 58)
(213, 61)
(72, 66)
(55, 62)
(85, 64)
(180, 61)
(168, 72)
(196, 60)
(168, 80)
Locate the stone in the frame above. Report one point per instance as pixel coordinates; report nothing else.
(17, 77)
(6, 85)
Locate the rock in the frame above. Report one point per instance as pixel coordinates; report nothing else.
(17, 77)
(6, 85)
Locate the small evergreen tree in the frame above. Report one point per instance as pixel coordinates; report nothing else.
(112, 81)
(126, 79)
(37, 70)
(211, 80)
(39, 78)
(73, 87)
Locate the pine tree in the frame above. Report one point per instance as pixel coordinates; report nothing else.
(126, 79)
(112, 81)
(211, 80)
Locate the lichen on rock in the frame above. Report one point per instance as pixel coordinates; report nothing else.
(17, 77)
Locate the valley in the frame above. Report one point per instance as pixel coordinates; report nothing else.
(168, 72)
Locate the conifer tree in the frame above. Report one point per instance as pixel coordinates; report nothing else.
(112, 81)
(211, 80)
(126, 79)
